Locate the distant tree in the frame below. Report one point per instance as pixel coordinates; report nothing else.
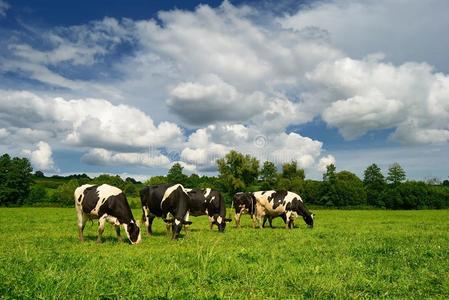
(114, 180)
(130, 189)
(38, 194)
(291, 170)
(193, 181)
(175, 174)
(15, 180)
(155, 180)
(396, 174)
(268, 175)
(131, 180)
(446, 182)
(374, 183)
(237, 171)
(330, 175)
(63, 195)
(39, 174)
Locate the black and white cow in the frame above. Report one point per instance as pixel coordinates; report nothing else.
(208, 202)
(107, 204)
(276, 203)
(244, 203)
(167, 201)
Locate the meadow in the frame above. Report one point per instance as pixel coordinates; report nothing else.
(349, 254)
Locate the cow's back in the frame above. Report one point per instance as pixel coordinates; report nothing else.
(151, 197)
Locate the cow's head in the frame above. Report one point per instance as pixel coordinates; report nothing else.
(308, 218)
(221, 223)
(177, 226)
(133, 232)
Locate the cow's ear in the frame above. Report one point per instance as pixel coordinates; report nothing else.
(228, 220)
(313, 216)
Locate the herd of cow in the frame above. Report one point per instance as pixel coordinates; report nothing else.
(174, 204)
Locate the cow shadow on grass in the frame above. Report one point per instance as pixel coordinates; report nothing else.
(104, 240)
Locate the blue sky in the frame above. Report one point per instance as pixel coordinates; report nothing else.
(131, 88)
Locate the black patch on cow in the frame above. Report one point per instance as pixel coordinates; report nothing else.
(278, 198)
(90, 199)
(176, 204)
(214, 205)
(244, 201)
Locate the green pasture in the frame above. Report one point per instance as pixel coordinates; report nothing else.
(349, 254)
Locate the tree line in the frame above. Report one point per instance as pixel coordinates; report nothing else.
(237, 173)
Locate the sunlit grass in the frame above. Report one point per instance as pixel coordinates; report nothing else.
(349, 254)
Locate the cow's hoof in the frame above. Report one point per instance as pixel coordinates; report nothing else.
(99, 242)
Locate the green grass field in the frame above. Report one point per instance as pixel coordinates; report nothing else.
(349, 254)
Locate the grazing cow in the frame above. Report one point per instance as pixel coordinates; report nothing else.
(208, 202)
(167, 201)
(108, 204)
(244, 203)
(276, 203)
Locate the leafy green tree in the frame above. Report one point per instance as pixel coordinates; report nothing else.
(291, 170)
(130, 189)
(396, 174)
(38, 194)
(175, 174)
(330, 175)
(155, 180)
(193, 181)
(237, 171)
(39, 174)
(114, 180)
(63, 195)
(15, 180)
(445, 182)
(268, 175)
(374, 182)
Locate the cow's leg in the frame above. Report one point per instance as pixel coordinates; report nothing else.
(237, 218)
(82, 219)
(284, 218)
(254, 219)
(211, 222)
(149, 226)
(260, 213)
(270, 220)
(265, 218)
(186, 219)
(288, 216)
(101, 223)
(117, 231)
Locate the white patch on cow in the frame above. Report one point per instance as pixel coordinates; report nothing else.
(219, 220)
(104, 191)
(147, 213)
(171, 190)
(211, 219)
(186, 217)
(211, 199)
(206, 212)
(207, 192)
(188, 190)
(177, 222)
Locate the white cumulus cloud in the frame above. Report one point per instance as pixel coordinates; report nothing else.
(41, 158)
